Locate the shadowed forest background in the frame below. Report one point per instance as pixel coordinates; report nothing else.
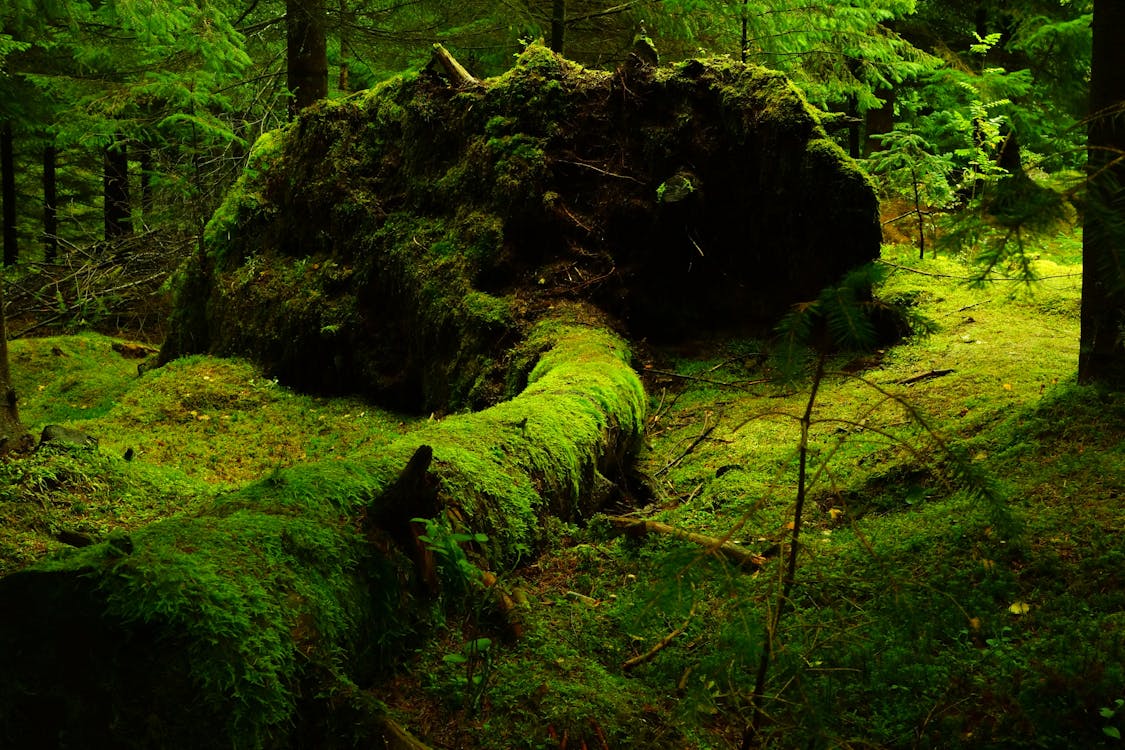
(567, 375)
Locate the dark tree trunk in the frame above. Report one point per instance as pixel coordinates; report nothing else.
(13, 435)
(879, 121)
(50, 204)
(116, 192)
(7, 166)
(1102, 353)
(307, 53)
(854, 149)
(343, 83)
(558, 26)
(147, 170)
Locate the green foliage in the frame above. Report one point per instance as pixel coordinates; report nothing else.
(909, 169)
(841, 317)
(835, 52)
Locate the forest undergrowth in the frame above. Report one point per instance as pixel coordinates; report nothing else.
(920, 617)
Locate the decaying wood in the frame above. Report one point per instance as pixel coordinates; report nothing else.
(266, 586)
(455, 70)
(732, 552)
(413, 495)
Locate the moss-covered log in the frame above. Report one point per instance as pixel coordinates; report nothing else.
(248, 625)
(396, 242)
(438, 246)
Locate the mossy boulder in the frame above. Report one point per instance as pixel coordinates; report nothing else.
(398, 242)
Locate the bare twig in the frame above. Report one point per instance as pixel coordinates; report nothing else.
(660, 645)
(599, 170)
(703, 436)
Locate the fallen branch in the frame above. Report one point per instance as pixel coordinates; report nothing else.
(732, 552)
(925, 376)
(628, 664)
(703, 436)
(599, 170)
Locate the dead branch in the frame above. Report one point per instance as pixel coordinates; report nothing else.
(690, 448)
(460, 77)
(628, 664)
(599, 170)
(925, 376)
(732, 552)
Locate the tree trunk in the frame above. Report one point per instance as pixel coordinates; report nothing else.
(306, 53)
(558, 26)
(50, 204)
(1102, 352)
(343, 82)
(147, 164)
(313, 579)
(116, 206)
(13, 435)
(879, 121)
(8, 168)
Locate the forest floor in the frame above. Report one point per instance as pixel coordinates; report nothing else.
(960, 579)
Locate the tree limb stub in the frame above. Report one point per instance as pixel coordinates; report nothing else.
(457, 73)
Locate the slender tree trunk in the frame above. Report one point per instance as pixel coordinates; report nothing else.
(13, 435)
(1102, 352)
(344, 83)
(306, 54)
(879, 121)
(744, 40)
(50, 204)
(8, 167)
(854, 146)
(147, 171)
(116, 206)
(558, 26)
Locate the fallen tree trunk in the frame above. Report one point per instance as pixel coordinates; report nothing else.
(255, 617)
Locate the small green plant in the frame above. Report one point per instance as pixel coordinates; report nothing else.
(1112, 714)
(476, 656)
(460, 575)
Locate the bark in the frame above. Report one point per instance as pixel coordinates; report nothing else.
(879, 121)
(13, 435)
(558, 26)
(116, 205)
(50, 204)
(8, 194)
(1101, 356)
(148, 169)
(306, 53)
(310, 581)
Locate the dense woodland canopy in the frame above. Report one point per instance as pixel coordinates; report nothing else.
(991, 132)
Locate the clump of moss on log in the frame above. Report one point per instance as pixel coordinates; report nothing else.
(397, 242)
(243, 620)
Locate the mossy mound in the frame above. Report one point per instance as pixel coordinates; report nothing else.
(396, 243)
(252, 617)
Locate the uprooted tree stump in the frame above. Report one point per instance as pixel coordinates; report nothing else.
(434, 246)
